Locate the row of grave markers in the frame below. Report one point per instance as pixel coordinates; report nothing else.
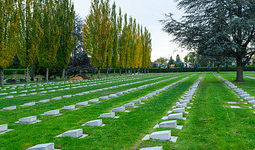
(176, 113)
(77, 132)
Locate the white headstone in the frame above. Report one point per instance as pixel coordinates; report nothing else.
(71, 107)
(14, 92)
(153, 148)
(9, 97)
(57, 98)
(3, 127)
(94, 123)
(47, 146)
(129, 105)
(249, 98)
(52, 113)
(29, 104)
(161, 135)
(168, 124)
(107, 115)
(94, 101)
(175, 116)
(73, 133)
(10, 108)
(104, 98)
(22, 95)
(119, 109)
(179, 110)
(28, 119)
(82, 103)
(183, 105)
(113, 95)
(44, 101)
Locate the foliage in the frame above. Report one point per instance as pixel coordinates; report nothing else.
(161, 60)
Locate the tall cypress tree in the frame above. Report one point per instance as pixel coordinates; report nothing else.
(29, 32)
(8, 29)
(65, 15)
(115, 55)
(50, 38)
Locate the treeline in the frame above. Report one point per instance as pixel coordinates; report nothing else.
(36, 30)
(115, 40)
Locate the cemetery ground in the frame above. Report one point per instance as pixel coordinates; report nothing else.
(210, 121)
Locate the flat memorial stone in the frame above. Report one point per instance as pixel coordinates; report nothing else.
(47, 146)
(179, 110)
(137, 101)
(9, 97)
(1, 94)
(119, 109)
(77, 133)
(35, 93)
(31, 119)
(52, 91)
(183, 105)
(29, 104)
(152, 148)
(249, 98)
(14, 92)
(251, 102)
(94, 123)
(67, 96)
(57, 98)
(175, 116)
(52, 113)
(10, 108)
(161, 135)
(3, 128)
(113, 95)
(168, 124)
(22, 95)
(82, 103)
(245, 95)
(129, 105)
(107, 115)
(94, 100)
(71, 107)
(43, 92)
(104, 98)
(184, 101)
(44, 101)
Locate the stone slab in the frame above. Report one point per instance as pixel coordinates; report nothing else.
(179, 110)
(71, 107)
(94, 101)
(9, 97)
(57, 98)
(47, 146)
(3, 127)
(77, 133)
(175, 116)
(108, 115)
(161, 135)
(44, 101)
(10, 108)
(31, 119)
(52, 113)
(29, 104)
(94, 123)
(104, 98)
(67, 96)
(113, 95)
(119, 109)
(82, 103)
(238, 107)
(152, 148)
(168, 124)
(129, 105)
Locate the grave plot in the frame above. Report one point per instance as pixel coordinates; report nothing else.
(37, 109)
(53, 126)
(20, 100)
(209, 118)
(163, 132)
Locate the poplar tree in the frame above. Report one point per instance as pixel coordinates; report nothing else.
(65, 15)
(29, 33)
(115, 30)
(50, 39)
(120, 22)
(8, 36)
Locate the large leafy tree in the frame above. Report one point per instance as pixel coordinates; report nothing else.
(8, 30)
(65, 15)
(223, 27)
(29, 33)
(50, 40)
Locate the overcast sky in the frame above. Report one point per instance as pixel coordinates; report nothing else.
(147, 13)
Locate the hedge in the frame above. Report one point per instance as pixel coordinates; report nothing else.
(14, 71)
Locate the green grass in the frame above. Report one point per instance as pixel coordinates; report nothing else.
(211, 124)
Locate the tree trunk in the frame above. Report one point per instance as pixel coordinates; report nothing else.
(107, 72)
(26, 77)
(114, 72)
(120, 71)
(144, 70)
(47, 75)
(218, 69)
(2, 78)
(98, 76)
(126, 71)
(130, 71)
(239, 69)
(63, 74)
